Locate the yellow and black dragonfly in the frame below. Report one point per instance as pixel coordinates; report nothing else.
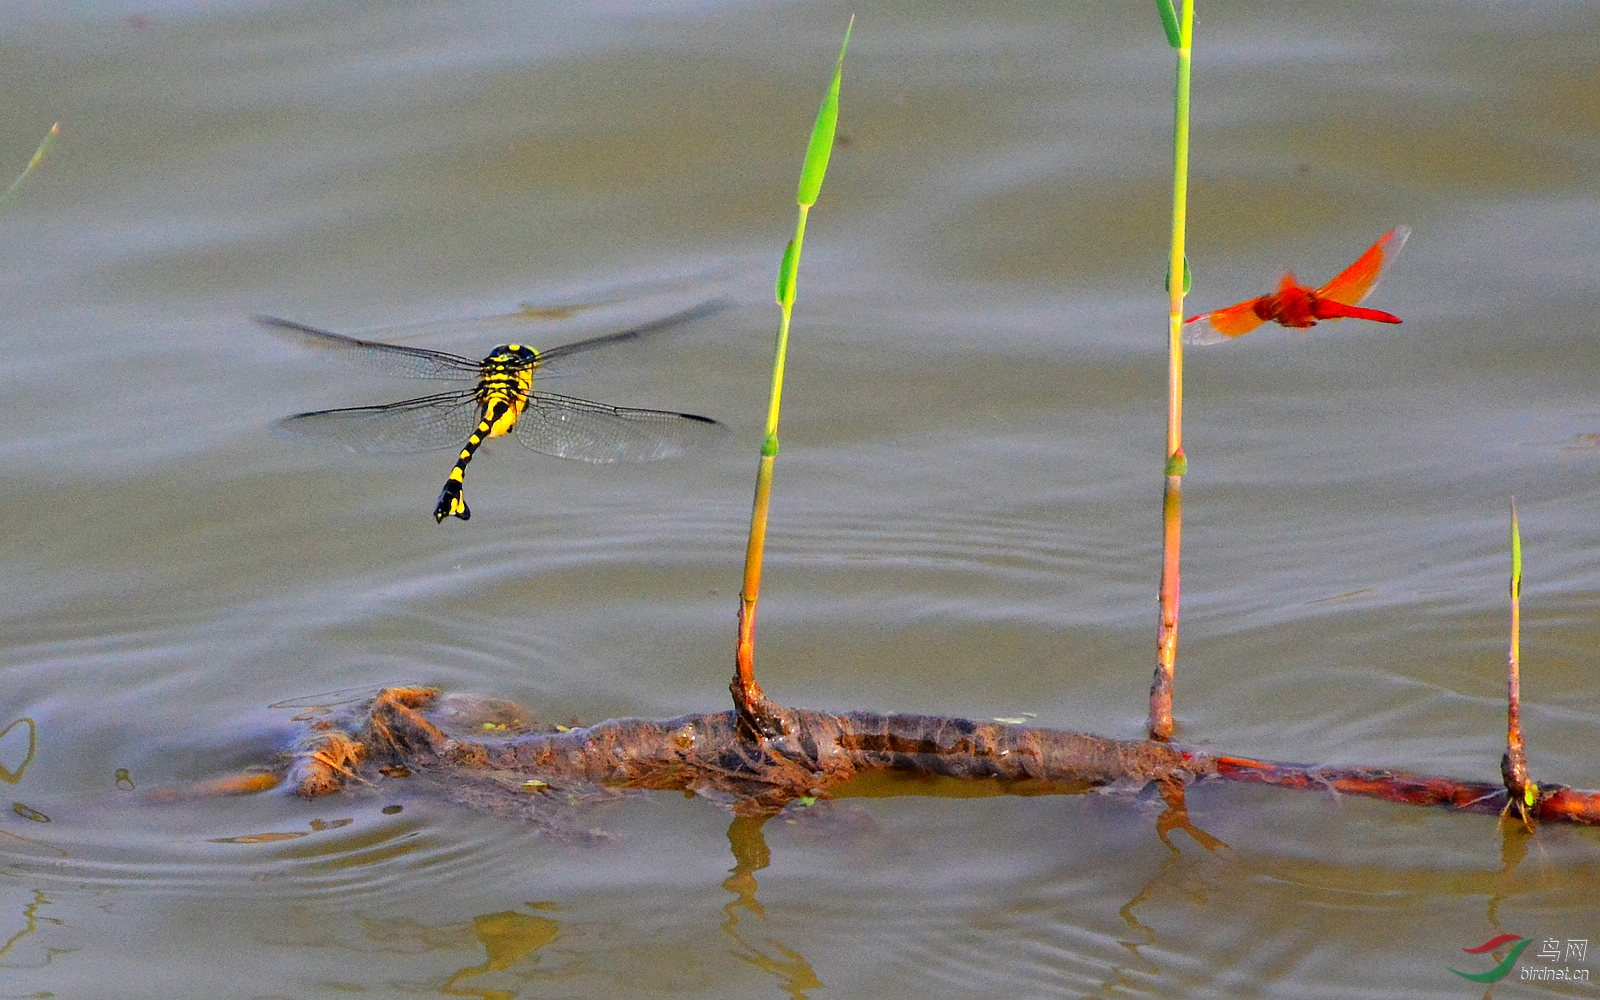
(499, 400)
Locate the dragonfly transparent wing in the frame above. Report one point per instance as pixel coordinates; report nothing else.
(428, 423)
(1222, 324)
(1358, 280)
(594, 432)
(420, 362)
(689, 315)
(416, 362)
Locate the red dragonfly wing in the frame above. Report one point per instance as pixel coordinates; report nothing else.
(1222, 324)
(1354, 282)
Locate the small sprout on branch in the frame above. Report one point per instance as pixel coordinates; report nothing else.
(1522, 794)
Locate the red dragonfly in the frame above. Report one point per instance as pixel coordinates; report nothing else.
(1295, 305)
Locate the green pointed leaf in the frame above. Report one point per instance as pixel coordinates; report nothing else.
(821, 146)
(1188, 278)
(786, 274)
(1169, 21)
(1516, 553)
(38, 154)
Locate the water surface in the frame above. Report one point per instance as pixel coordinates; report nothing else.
(966, 518)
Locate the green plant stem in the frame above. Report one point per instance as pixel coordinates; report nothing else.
(38, 155)
(756, 714)
(1161, 722)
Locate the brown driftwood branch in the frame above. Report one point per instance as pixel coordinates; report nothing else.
(495, 759)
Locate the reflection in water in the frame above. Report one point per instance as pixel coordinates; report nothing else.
(507, 937)
(242, 783)
(511, 941)
(1174, 870)
(750, 855)
(11, 775)
(1514, 840)
(1176, 817)
(29, 813)
(274, 836)
(1515, 836)
(30, 924)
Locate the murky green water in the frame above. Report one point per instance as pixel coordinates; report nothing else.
(966, 518)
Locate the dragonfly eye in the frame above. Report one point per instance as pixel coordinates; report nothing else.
(510, 356)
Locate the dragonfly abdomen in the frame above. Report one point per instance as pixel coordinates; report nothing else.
(503, 394)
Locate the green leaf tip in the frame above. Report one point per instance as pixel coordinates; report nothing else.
(821, 145)
(38, 154)
(1169, 22)
(1516, 553)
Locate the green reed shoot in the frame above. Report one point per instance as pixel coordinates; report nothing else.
(1515, 654)
(38, 154)
(1180, 34)
(1522, 794)
(747, 693)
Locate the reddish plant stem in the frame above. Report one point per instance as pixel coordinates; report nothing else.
(1161, 724)
(757, 717)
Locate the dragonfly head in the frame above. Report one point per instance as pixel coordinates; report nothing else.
(510, 357)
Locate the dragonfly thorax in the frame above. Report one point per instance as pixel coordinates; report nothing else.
(1291, 305)
(507, 371)
(506, 378)
(509, 358)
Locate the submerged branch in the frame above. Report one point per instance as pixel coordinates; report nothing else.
(491, 746)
